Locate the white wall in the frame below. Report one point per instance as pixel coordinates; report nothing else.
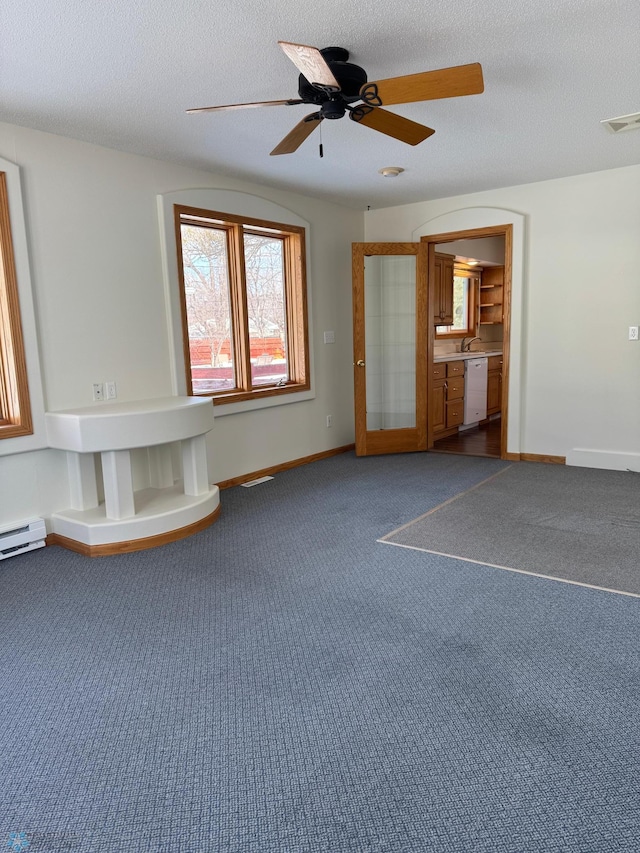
(94, 242)
(579, 374)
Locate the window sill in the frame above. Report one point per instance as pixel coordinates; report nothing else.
(232, 404)
(223, 399)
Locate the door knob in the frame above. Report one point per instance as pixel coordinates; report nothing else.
(360, 362)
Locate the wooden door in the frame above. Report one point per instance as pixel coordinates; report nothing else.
(390, 333)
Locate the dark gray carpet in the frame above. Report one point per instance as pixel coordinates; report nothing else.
(575, 524)
(283, 683)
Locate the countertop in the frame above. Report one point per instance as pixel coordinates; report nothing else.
(463, 356)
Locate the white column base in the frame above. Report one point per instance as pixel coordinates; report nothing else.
(160, 511)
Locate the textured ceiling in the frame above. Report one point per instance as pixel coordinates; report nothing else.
(122, 74)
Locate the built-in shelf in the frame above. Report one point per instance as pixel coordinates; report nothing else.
(129, 520)
(493, 281)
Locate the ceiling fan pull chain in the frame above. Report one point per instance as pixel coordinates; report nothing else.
(321, 149)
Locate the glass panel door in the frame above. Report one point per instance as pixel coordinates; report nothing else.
(390, 334)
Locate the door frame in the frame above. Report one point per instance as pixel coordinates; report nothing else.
(431, 240)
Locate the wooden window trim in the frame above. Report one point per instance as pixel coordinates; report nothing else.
(294, 262)
(471, 272)
(15, 408)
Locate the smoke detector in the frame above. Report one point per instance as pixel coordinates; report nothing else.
(622, 123)
(390, 171)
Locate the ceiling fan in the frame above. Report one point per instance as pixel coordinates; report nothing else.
(328, 81)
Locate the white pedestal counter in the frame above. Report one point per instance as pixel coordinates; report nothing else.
(129, 521)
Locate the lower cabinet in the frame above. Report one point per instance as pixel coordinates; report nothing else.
(448, 394)
(448, 397)
(494, 385)
(438, 411)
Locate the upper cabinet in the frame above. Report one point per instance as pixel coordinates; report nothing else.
(491, 296)
(443, 290)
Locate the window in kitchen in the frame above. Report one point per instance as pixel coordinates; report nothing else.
(244, 305)
(15, 410)
(466, 284)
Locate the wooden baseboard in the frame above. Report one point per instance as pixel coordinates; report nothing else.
(542, 457)
(284, 466)
(133, 544)
(536, 457)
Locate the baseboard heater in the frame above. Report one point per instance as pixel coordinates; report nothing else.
(21, 537)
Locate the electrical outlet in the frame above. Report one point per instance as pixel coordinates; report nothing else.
(98, 391)
(633, 333)
(111, 392)
(329, 420)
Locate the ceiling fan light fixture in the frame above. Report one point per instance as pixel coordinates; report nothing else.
(390, 171)
(333, 108)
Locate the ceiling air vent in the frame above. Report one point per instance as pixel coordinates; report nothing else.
(622, 123)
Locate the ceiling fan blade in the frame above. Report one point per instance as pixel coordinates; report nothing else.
(393, 125)
(289, 102)
(311, 64)
(294, 139)
(427, 86)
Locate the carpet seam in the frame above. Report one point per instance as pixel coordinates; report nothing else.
(511, 569)
(442, 505)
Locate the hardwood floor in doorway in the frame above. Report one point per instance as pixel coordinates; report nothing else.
(484, 440)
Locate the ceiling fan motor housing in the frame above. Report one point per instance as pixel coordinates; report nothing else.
(350, 77)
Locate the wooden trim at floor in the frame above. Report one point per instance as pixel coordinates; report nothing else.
(542, 457)
(536, 457)
(284, 466)
(133, 544)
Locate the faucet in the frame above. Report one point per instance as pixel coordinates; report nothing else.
(466, 347)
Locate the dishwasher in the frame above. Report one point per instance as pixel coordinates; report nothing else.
(475, 390)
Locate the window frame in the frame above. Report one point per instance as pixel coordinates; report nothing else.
(295, 293)
(474, 274)
(15, 405)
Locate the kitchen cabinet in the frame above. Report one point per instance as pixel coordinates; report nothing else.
(448, 397)
(438, 407)
(491, 296)
(443, 290)
(494, 385)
